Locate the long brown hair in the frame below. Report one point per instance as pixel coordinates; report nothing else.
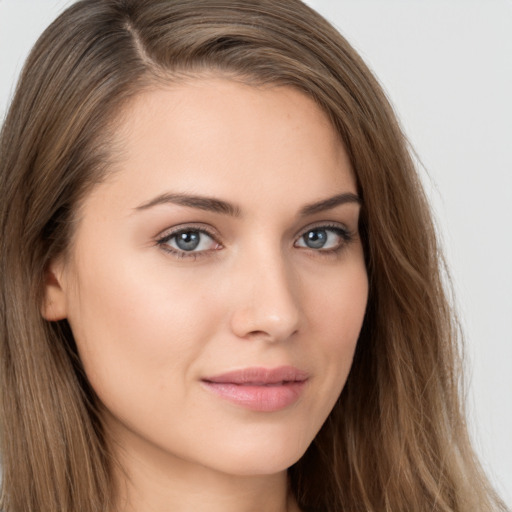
(396, 440)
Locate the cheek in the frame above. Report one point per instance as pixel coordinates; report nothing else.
(336, 316)
(136, 330)
(339, 304)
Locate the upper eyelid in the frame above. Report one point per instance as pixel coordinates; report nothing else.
(202, 228)
(212, 232)
(323, 224)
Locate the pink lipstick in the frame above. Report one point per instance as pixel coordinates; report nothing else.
(259, 389)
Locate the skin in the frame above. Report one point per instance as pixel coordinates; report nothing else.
(150, 324)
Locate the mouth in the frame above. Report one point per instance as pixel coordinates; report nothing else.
(259, 389)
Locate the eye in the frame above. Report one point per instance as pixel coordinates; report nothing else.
(188, 240)
(325, 238)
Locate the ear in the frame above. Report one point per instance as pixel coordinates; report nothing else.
(54, 305)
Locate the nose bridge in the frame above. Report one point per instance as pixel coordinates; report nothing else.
(267, 303)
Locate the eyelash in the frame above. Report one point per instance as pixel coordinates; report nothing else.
(345, 235)
(163, 241)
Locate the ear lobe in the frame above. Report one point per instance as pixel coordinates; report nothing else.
(54, 299)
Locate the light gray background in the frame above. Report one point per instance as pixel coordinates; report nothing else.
(447, 67)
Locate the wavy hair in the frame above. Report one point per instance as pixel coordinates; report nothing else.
(396, 439)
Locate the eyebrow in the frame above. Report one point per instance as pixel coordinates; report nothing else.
(192, 201)
(330, 203)
(219, 206)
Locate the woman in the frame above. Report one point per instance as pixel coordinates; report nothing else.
(220, 281)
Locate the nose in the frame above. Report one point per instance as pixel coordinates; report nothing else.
(266, 299)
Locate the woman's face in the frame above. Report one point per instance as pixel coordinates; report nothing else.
(216, 284)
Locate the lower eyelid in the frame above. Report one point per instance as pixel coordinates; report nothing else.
(345, 235)
(164, 240)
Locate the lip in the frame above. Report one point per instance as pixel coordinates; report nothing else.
(259, 389)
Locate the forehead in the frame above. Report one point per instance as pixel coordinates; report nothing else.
(229, 140)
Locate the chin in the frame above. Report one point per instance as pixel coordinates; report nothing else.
(257, 459)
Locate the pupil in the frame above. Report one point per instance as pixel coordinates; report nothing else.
(188, 240)
(315, 239)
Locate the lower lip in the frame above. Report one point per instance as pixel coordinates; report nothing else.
(261, 398)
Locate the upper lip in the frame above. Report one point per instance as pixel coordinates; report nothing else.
(260, 376)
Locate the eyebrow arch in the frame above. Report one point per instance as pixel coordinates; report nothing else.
(192, 201)
(328, 204)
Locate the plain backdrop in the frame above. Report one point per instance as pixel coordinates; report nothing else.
(447, 68)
